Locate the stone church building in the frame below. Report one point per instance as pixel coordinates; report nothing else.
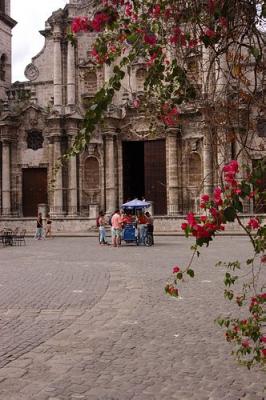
(40, 117)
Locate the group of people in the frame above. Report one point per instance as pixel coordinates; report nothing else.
(40, 232)
(118, 220)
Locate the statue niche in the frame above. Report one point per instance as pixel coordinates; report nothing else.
(91, 181)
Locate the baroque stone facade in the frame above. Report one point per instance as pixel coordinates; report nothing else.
(41, 117)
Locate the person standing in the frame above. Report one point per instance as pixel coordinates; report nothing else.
(150, 226)
(102, 231)
(48, 228)
(39, 227)
(116, 228)
(141, 223)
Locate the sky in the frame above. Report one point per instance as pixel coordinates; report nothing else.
(27, 41)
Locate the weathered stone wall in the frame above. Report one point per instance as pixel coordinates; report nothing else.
(5, 49)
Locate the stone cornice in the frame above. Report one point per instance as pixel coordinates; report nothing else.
(7, 20)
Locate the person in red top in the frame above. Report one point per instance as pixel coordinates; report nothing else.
(127, 219)
(141, 221)
(116, 228)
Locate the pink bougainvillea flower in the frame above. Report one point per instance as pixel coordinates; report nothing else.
(156, 11)
(150, 38)
(176, 269)
(184, 226)
(217, 196)
(99, 21)
(223, 22)
(263, 339)
(80, 24)
(231, 167)
(210, 33)
(263, 352)
(152, 59)
(191, 219)
(205, 197)
(136, 103)
(245, 344)
(211, 6)
(253, 223)
(263, 258)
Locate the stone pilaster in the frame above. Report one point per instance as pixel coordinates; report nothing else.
(57, 201)
(71, 98)
(58, 96)
(110, 188)
(220, 75)
(72, 182)
(171, 137)
(207, 152)
(6, 178)
(205, 70)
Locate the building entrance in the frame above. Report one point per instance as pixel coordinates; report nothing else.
(144, 172)
(34, 189)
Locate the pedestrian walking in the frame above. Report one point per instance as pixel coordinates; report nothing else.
(48, 227)
(39, 227)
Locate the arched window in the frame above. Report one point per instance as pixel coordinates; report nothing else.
(140, 79)
(3, 67)
(194, 170)
(91, 174)
(2, 6)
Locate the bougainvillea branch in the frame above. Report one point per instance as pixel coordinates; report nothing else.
(249, 334)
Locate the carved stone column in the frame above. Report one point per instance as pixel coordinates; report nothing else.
(70, 75)
(172, 171)
(110, 173)
(57, 208)
(207, 164)
(72, 180)
(58, 96)
(6, 181)
(205, 70)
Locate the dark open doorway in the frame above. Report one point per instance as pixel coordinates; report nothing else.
(133, 170)
(34, 187)
(144, 172)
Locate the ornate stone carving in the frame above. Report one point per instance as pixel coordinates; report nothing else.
(31, 72)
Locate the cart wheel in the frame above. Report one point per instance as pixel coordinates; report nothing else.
(148, 240)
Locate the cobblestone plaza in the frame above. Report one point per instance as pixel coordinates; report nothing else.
(83, 321)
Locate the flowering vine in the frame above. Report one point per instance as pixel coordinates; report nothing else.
(247, 334)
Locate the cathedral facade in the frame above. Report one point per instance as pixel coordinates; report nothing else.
(40, 118)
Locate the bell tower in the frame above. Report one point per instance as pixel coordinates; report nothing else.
(6, 26)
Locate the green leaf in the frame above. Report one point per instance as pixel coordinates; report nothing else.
(255, 52)
(237, 204)
(229, 214)
(191, 273)
(179, 275)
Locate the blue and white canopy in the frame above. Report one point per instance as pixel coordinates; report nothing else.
(136, 204)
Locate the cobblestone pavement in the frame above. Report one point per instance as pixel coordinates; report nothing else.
(83, 321)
